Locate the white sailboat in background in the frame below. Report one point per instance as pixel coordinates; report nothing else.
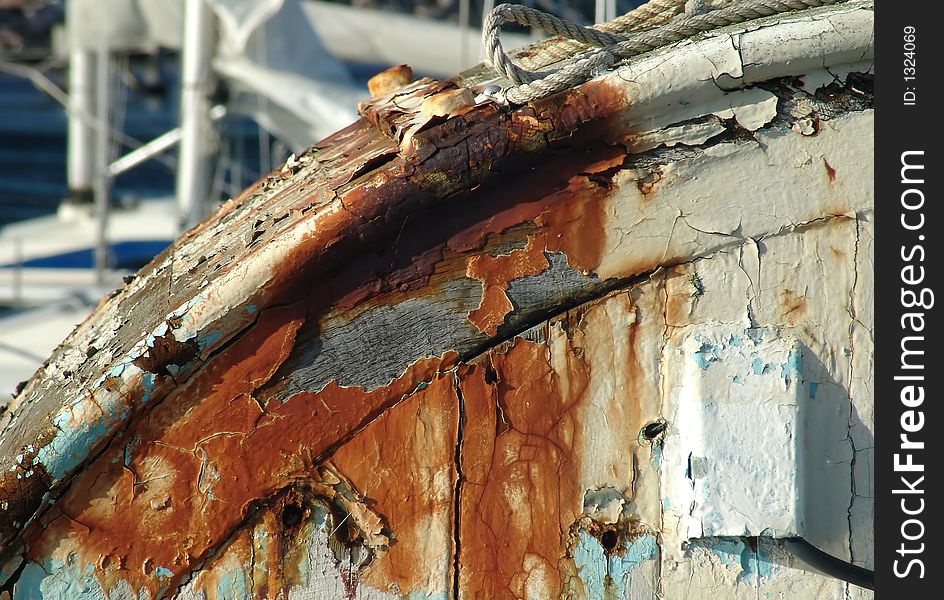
(280, 62)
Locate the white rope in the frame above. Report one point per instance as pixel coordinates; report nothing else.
(633, 35)
(646, 16)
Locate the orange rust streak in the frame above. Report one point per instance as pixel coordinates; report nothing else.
(270, 567)
(570, 221)
(150, 508)
(830, 171)
(522, 492)
(792, 307)
(577, 226)
(606, 164)
(495, 272)
(588, 106)
(571, 207)
(572, 217)
(404, 462)
(203, 457)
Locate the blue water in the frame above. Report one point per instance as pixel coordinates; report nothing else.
(32, 152)
(33, 142)
(124, 255)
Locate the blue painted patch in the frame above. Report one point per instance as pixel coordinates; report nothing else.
(759, 367)
(729, 550)
(765, 567)
(666, 504)
(147, 383)
(811, 388)
(159, 331)
(55, 580)
(639, 550)
(655, 456)
(118, 370)
(69, 447)
(706, 355)
(208, 340)
(735, 341)
(251, 309)
(734, 554)
(738, 380)
(163, 573)
(792, 367)
(420, 595)
(232, 585)
(29, 585)
(591, 564)
(602, 574)
(756, 565)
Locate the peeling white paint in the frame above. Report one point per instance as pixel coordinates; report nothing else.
(733, 192)
(670, 86)
(752, 109)
(730, 464)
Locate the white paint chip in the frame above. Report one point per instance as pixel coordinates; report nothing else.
(752, 108)
(816, 79)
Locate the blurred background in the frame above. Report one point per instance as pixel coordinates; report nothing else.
(125, 122)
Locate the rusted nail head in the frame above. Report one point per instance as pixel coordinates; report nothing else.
(389, 81)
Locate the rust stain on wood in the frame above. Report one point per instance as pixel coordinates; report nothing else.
(534, 413)
(186, 476)
(404, 462)
(212, 441)
(522, 492)
(495, 272)
(830, 171)
(153, 500)
(792, 307)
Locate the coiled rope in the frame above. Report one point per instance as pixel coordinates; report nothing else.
(651, 26)
(645, 16)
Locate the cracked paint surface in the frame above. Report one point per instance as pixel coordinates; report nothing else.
(411, 371)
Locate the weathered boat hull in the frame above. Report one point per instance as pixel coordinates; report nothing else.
(438, 355)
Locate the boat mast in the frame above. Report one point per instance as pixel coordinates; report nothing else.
(81, 136)
(196, 148)
(604, 10)
(102, 181)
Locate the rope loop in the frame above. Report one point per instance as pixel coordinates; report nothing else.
(535, 19)
(653, 25)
